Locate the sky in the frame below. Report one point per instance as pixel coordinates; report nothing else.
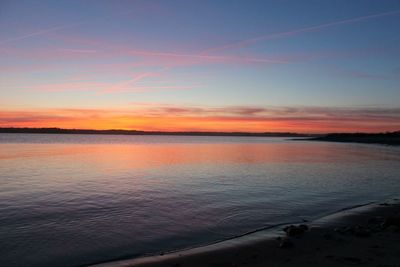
(312, 66)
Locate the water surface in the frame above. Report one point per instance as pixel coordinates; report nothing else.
(72, 200)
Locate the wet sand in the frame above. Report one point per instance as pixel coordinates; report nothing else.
(367, 235)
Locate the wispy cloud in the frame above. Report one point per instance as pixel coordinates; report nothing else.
(340, 113)
(184, 118)
(69, 86)
(127, 85)
(39, 33)
(79, 51)
(361, 74)
(108, 87)
(207, 58)
(161, 59)
(60, 28)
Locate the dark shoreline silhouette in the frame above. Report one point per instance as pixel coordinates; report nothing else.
(389, 138)
(134, 132)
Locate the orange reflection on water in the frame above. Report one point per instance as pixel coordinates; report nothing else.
(141, 156)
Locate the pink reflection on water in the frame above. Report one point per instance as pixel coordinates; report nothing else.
(142, 156)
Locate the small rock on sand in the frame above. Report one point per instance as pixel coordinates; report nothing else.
(294, 230)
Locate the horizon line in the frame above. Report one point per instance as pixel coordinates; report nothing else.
(58, 130)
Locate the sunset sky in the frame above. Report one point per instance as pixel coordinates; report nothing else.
(257, 66)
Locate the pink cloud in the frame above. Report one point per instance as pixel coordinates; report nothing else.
(69, 86)
(166, 60)
(80, 51)
(127, 85)
(106, 88)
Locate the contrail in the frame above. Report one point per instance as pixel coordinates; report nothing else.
(54, 29)
(57, 28)
(209, 57)
(293, 32)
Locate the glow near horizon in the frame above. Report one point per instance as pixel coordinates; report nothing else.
(158, 66)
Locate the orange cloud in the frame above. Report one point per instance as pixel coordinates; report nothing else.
(184, 118)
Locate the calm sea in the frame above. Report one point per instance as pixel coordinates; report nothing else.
(72, 200)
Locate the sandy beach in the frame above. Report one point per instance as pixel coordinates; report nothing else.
(367, 235)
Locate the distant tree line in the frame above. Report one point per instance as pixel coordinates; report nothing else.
(135, 132)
